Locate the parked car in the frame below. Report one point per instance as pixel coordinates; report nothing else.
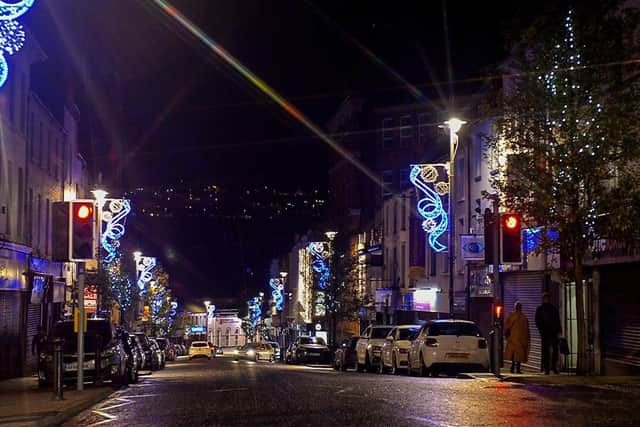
(167, 348)
(449, 346)
(395, 350)
(134, 356)
(152, 356)
(199, 349)
(184, 351)
(101, 341)
(255, 352)
(307, 349)
(369, 347)
(137, 348)
(276, 349)
(345, 355)
(161, 360)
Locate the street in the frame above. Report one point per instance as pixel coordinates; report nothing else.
(224, 392)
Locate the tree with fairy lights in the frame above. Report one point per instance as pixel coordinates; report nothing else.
(566, 140)
(123, 288)
(158, 298)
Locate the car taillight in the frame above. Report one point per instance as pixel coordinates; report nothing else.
(482, 343)
(431, 342)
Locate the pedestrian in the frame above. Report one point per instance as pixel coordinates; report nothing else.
(516, 331)
(548, 324)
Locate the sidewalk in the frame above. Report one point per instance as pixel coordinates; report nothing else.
(564, 379)
(22, 403)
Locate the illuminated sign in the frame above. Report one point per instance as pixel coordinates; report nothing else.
(198, 329)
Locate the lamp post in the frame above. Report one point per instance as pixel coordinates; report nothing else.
(454, 126)
(100, 196)
(331, 235)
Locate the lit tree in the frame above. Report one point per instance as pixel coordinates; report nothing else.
(569, 132)
(158, 297)
(123, 286)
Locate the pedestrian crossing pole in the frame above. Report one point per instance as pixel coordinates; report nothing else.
(81, 323)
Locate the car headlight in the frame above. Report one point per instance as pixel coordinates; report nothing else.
(250, 353)
(235, 351)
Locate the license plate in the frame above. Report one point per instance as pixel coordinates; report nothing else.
(314, 354)
(457, 355)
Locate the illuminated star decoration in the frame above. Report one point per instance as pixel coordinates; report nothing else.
(276, 293)
(319, 263)
(12, 33)
(145, 265)
(430, 206)
(114, 218)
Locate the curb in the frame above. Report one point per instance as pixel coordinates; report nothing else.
(72, 412)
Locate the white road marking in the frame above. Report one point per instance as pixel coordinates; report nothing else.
(125, 401)
(228, 389)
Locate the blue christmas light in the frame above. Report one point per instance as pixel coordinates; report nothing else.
(12, 35)
(430, 207)
(254, 311)
(114, 217)
(277, 293)
(319, 263)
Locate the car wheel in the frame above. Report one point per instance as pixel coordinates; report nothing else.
(422, 370)
(367, 363)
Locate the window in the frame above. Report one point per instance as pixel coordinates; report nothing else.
(433, 262)
(477, 157)
(445, 263)
(403, 259)
(30, 218)
(395, 267)
(406, 131)
(12, 95)
(20, 202)
(22, 101)
(395, 216)
(46, 227)
(404, 179)
(48, 153)
(387, 132)
(39, 221)
(403, 214)
(32, 138)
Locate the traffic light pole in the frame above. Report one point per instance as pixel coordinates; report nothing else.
(81, 314)
(497, 290)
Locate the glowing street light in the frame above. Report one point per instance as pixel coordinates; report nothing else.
(454, 125)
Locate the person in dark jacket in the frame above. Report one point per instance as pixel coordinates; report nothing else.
(548, 324)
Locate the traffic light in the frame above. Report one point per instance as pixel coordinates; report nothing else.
(82, 230)
(489, 230)
(498, 312)
(60, 231)
(510, 239)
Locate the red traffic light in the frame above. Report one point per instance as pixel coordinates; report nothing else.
(498, 310)
(83, 211)
(511, 221)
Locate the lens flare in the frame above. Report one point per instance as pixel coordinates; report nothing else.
(262, 86)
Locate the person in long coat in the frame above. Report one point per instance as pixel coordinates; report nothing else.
(516, 331)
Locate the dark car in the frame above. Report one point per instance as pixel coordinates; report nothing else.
(308, 350)
(105, 357)
(168, 348)
(158, 353)
(151, 358)
(345, 355)
(138, 350)
(134, 356)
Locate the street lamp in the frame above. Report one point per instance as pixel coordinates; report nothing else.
(454, 126)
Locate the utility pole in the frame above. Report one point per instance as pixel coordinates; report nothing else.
(81, 320)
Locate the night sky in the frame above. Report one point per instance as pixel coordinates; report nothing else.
(162, 108)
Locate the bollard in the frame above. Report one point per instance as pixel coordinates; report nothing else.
(58, 368)
(492, 358)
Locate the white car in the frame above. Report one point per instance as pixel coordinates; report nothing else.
(395, 350)
(369, 347)
(448, 346)
(199, 349)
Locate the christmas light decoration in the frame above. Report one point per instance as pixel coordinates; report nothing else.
(254, 311)
(277, 293)
(12, 34)
(145, 265)
(430, 206)
(114, 218)
(319, 263)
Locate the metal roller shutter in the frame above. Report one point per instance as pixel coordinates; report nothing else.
(526, 287)
(10, 342)
(33, 321)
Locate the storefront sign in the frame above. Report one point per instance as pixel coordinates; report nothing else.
(91, 298)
